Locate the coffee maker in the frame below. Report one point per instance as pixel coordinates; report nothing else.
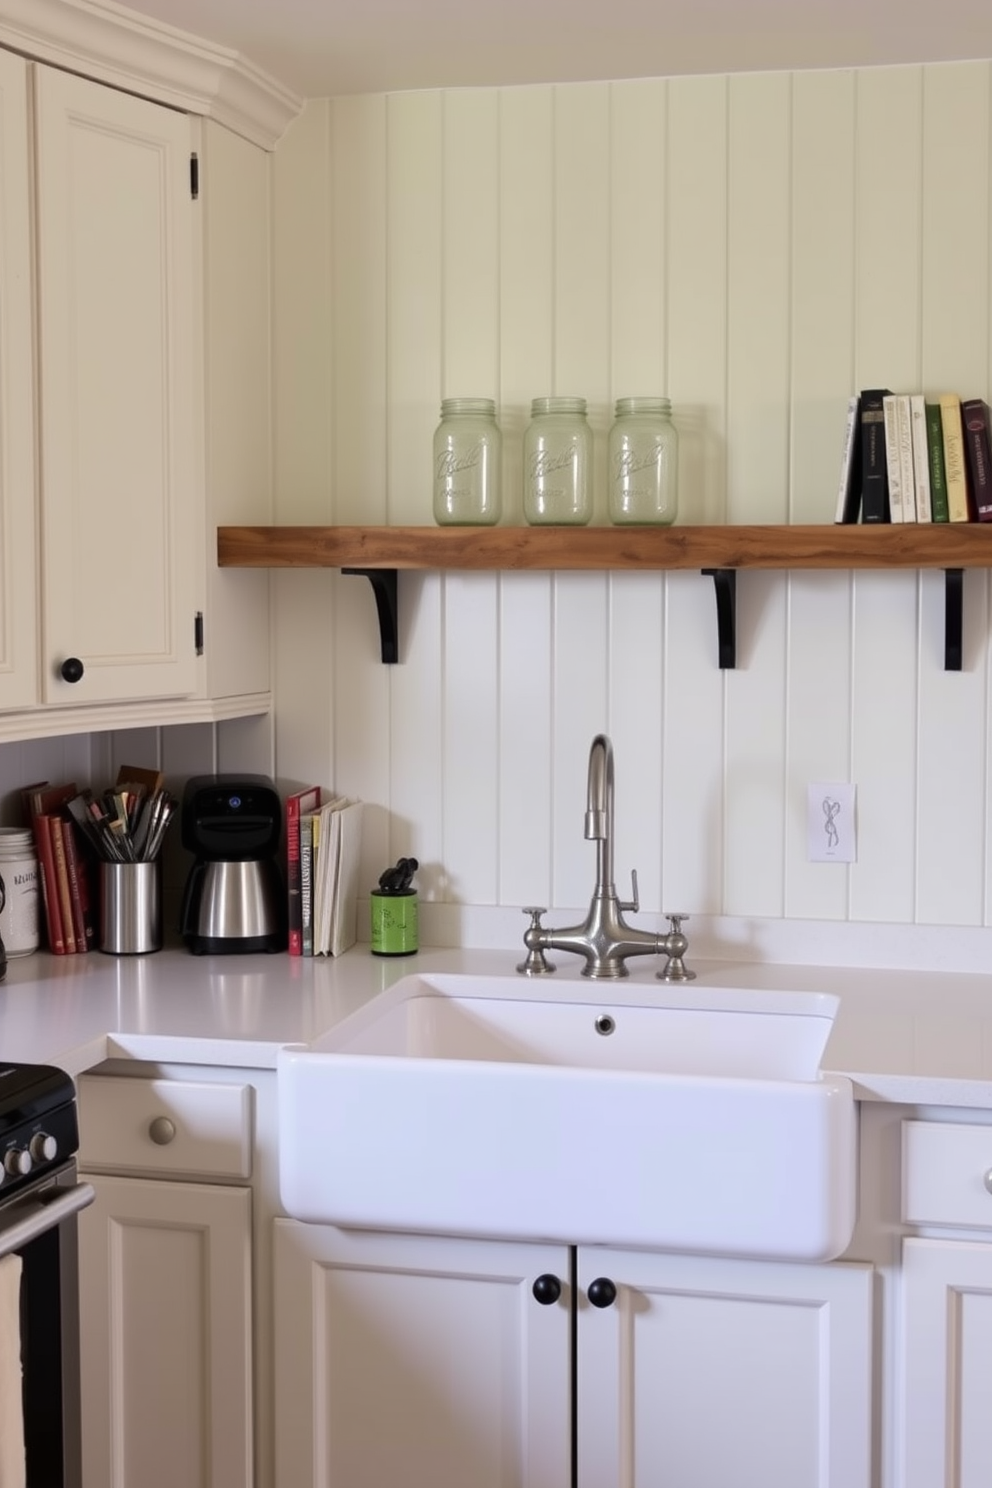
(235, 898)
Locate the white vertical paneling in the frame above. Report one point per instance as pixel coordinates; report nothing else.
(358, 266)
(954, 228)
(416, 760)
(755, 759)
(582, 261)
(887, 192)
(951, 881)
(525, 758)
(822, 193)
(302, 323)
(819, 623)
(414, 252)
(414, 299)
(470, 262)
(526, 249)
(580, 626)
(639, 280)
(756, 247)
(758, 340)
(359, 680)
(885, 746)
(470, 367)
(758, 371)
(635, 712)
(527, 243)
(953, 752)
(819, 733)
(697, 319)
(302, 631)
(470, 788)
(693, 750)
(888, 187)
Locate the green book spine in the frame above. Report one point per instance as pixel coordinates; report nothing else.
(935, 450)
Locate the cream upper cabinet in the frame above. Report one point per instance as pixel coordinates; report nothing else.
(119, 496)
(18, 544)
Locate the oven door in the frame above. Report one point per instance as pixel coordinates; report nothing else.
(38, 1223)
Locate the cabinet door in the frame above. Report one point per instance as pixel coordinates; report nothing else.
(723, 1374)
(165, 1325)
(18, 494)
(119, 492)
(410, 1361)
(946, 1421)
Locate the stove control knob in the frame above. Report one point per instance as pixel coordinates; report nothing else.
(18, 1162)
(43, 1148)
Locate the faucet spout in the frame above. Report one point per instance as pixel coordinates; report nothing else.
(599, 812)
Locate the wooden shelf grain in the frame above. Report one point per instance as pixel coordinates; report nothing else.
(925, 545)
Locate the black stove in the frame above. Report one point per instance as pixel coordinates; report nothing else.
(38, 1125)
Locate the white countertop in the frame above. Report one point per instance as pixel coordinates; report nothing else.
(923, 1038)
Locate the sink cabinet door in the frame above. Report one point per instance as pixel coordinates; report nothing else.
(947, 1425)
(710, 1373)
(410, 1361)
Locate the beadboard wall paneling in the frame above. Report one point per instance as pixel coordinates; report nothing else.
(757, 247)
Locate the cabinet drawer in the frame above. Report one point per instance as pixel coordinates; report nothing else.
(947, 1174)
(168, 1127)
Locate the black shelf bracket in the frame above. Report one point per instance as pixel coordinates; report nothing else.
(725, 582)
(383, 581)
(953, 624)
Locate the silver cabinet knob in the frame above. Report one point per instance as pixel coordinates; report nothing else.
(987, 1180)
(162, 1131)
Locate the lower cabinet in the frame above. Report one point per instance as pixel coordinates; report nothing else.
(411, 1360)
(165, 1285)
(946, 1424)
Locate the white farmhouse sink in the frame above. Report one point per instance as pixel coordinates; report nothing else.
(679, 1119)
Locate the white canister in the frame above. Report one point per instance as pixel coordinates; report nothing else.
(21, 913)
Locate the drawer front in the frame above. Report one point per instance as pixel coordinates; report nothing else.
(191, 1128)
(947, 1174)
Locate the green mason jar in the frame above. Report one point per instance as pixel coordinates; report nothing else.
(558, 463)
(643, 462)
(467, 464)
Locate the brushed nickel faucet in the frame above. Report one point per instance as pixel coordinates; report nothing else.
(604, 938)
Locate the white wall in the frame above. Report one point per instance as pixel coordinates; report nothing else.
(757, 247)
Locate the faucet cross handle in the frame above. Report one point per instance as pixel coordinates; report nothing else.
(675, 945)
(536, 962)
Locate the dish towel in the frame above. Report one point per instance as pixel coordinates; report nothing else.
(12, 1467)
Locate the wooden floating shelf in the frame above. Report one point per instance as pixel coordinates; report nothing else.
(927, 545)
(379, 553)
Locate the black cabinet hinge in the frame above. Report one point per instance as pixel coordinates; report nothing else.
(194, 176)
(198, 632)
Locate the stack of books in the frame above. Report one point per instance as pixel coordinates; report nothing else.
(911, 458)
(323, 854)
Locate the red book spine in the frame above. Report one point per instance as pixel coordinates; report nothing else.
(49, 886)
(73, 872)
(62, 882)
(297, 805)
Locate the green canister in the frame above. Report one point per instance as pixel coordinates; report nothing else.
(394, 922)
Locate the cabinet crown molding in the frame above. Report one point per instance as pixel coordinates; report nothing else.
(114, 45)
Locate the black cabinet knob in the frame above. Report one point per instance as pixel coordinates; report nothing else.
(601, 1292)
(71, 669)
(547, 1289)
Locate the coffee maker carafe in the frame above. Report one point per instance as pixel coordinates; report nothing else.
(235, 899)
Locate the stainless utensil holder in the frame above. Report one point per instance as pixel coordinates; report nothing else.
(130, 908)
